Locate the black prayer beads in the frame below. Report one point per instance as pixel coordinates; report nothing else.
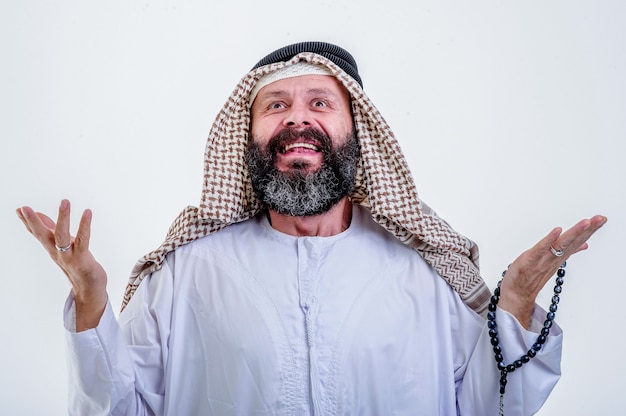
(504, 368)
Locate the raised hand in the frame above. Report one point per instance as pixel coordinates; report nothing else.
(72, 255)
(533, 269)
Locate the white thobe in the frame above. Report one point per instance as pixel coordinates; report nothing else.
(251, 321)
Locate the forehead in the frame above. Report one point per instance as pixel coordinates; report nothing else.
(304, 84)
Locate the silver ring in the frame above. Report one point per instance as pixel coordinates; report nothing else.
(64, 249)
(556, 252)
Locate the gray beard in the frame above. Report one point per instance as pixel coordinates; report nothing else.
(300, 193)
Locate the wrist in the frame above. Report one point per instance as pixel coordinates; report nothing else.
(521, 307)
(89, 309)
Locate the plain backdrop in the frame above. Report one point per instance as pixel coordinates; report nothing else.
(512, 116)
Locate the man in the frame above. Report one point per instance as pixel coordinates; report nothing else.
(310, 280)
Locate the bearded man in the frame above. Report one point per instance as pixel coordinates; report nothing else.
(310, 280)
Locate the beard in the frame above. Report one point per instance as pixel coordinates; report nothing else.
(300, 192)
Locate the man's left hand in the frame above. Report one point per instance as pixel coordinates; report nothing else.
(528, 274)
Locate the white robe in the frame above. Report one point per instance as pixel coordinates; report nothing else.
(251, 321)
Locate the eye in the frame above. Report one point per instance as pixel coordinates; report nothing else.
(276, 105)
(319, 103)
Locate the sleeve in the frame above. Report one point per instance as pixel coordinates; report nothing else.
(117, 368)
(528, 387)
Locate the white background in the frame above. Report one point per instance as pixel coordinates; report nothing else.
(512, 116)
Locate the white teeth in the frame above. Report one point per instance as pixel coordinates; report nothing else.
(304, 145)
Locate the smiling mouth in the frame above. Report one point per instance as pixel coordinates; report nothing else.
(299, 146)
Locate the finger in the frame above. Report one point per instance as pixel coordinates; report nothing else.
(81, 242)
(62, 237)
(47, 221)
(575, 239)
(597, 222)
(543, 246)
(35, 225)
(585, 246)
(20, 215)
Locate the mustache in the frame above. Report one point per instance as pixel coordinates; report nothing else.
(309, 135)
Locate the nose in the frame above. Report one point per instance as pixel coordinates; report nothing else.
(297, 116)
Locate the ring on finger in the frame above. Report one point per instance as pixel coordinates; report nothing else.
(554, 251)
(63, 249)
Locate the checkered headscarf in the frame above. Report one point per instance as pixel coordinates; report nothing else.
(383, 184)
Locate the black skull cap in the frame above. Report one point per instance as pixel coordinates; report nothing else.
(336, 54)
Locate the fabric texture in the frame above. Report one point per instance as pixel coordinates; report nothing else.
(217, 331)
(384, 184)
(339, 56)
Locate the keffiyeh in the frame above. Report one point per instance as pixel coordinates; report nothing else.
(383, 184)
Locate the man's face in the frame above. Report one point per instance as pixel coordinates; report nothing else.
(302, 155)
(310, 102)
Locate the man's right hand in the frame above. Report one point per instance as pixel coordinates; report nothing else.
(72, 254)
